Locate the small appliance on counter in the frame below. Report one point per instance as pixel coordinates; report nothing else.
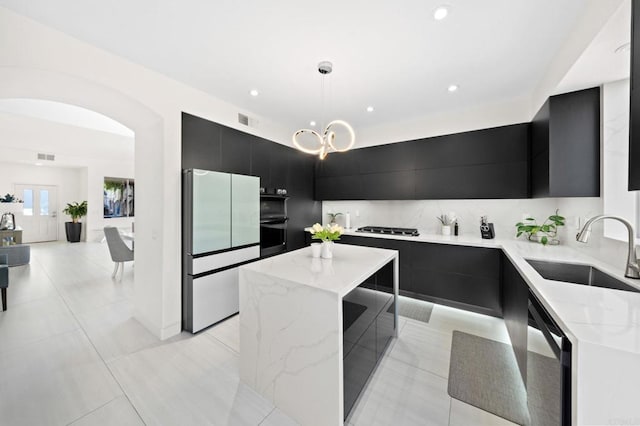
(486, 229)
(411, 232)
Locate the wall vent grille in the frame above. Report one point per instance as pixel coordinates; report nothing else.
(47, 157)
(243, 119)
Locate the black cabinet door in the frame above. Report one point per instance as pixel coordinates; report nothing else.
(498, 145)
(565, 147)
(279, 166)
(200, 143)
(574, 144)
(460, 276)
(389, 185)
(359, 343)
(404, 258)
(488, 181)
(634, 113)
(515, 312)
(387, 158)
(261, 161)
(339, 188)
(235, 151)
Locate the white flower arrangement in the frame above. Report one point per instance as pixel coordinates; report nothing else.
(326, 233)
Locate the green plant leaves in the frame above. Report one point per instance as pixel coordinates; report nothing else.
(549, 228)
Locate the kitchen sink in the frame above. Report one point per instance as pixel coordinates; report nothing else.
(578, 274)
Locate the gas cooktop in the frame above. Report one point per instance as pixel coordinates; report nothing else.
(412, 232)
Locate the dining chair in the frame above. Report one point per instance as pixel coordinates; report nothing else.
(4, 279)
(119, 251)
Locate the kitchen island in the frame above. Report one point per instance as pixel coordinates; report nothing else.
(312, 329)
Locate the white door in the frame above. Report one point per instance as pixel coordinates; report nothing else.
(39, 219)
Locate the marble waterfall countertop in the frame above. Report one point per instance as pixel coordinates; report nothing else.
(350, 266)
(291, 327)
(602, 324)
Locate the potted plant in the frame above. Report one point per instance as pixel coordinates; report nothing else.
(74, 228)
(327, 234)
(547, 233)
(333, 217)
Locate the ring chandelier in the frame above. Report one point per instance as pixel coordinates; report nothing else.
(325, 141)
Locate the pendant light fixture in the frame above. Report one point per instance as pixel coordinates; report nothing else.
(327, 141)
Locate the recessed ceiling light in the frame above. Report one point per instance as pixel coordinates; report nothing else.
(623, 48)
(452, 88)
(440, 13)
(312, 123)
(369, 109)
(254, 92)
(38, 164)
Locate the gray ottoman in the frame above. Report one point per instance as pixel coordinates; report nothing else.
(18, 254)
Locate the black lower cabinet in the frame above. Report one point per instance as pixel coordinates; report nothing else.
(515, 296)
(368, 327)
(403, 248)
(458, 276)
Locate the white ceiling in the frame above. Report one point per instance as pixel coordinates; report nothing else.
(391, 55)
(600, 62)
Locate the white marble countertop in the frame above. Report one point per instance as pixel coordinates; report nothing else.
(350, 266)
(595, 315)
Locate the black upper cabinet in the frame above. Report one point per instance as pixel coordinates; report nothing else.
(235, 151)
(261, 161)
(489, 163)
(506, 180)
(497, 145)
(398, 185)
(386, 158)
(565, 146)
(279, 165)
(200, 143)
(634, 113)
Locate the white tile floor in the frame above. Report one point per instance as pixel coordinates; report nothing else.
(71, 353)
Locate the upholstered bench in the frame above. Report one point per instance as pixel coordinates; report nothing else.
(18, 254)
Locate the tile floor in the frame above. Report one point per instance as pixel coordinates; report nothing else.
(71, 353)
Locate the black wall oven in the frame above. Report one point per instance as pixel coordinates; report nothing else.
(273, 224)
(548, 369)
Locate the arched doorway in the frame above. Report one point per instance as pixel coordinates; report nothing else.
(149, 148)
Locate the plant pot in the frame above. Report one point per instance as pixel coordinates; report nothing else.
(446, 230)
(73, 231)
(327, 250)
(551, 241)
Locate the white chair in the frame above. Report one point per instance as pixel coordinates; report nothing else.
(119, 251)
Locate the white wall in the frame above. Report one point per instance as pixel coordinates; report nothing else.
(504, 214)
(39, 62)
(615, 159)
(67, 180)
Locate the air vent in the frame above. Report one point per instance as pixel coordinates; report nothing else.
(47, 157)
(243, 119)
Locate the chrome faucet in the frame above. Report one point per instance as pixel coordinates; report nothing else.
(632, 270)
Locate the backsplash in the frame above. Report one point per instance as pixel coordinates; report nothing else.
(504, 214)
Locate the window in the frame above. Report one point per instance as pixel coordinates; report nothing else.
(28, 202)
(44, 202)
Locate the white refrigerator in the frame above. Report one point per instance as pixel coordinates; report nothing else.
(220, 231)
